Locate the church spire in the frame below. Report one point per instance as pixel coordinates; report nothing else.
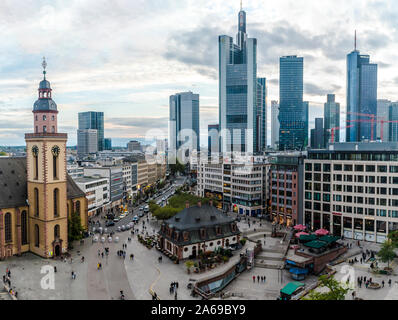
(44, 65)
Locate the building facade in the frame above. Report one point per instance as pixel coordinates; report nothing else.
(134, 145)
(317, 135)
(331, 116)
(238, 107)
(107, 144)
(184, 121)
(262, 113)
(97, 193)
(275, 125)
(351, 189)
(213, 144)
(293, 118)
(93, 120)
(87, 142)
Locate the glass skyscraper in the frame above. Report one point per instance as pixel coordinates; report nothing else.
(293, 113)
(262, 112)
(184, 120)
(93, 120)
(361, 97)
(238, 92)
(331, 114)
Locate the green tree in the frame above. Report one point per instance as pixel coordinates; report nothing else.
(393, 236)
(177, 167)
(75, 229)
(386, 252)
(336, 290)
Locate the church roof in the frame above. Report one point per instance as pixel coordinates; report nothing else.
(13, 183)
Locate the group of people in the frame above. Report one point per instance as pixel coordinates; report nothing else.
(368, 281)
(173, 289)
(259, 278)
(7, 281)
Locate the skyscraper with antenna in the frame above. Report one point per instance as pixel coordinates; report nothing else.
(361, 96)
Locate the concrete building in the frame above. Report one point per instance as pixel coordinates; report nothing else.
(238, 186)
(97, 193)
(134, 145)
(74, 171)
(285, 180)
(115, 177)
(274, 125)
(351, 189)
(87, 142)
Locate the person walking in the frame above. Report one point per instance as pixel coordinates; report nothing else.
(382, 284)
(258, 279)
(254, 279)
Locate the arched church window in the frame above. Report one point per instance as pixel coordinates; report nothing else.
(7, 227)
(37, 236)
(24, 227)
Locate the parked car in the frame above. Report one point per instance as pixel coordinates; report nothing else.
(135, 218)
(110, 224)
(116, 220)
(141, 214)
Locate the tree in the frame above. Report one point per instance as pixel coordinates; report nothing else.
(75, 229)
(336, 290)
(393, 236)
(189, 264)
(177, 167)
(386, 252)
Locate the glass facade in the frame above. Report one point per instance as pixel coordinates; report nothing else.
(293, 113)
(93, 120)
(331, 113)
(393, 126)
(361, 97)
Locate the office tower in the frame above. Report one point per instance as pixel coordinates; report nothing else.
(331, 114)
(383, 110)
(87, 141)
(317, 135)
(293, 131)
(361, 97)
(93, 120)
(306, 107)
(238, 112)
(274, 125)
(392, 126)
(262, 112)
(213, 138)
(184, 120)
(107, 144)
(134, 145)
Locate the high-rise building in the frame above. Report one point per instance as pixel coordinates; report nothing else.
(293, 131)
(184, 120)
(213, 135)
(134, 145)
(392, 126)
(87, 141)
(238, 109)
(93, 120)
(317, 135)
(107, 144)
(383, 111)
(274, 125)
(361, 97)
(262, 112)
(331, 114)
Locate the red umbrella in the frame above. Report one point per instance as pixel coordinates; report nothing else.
(321, 232)
(299, 234)
(300, 227)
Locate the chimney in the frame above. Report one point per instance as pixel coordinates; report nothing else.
(211, 203)
(199, 204)
(186, 204)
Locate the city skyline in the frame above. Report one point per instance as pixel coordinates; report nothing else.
(88, 76)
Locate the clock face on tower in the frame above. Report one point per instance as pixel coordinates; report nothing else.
(55, 151)
(35, 151)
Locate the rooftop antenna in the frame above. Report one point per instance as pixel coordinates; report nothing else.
(355, 41)
(240, 5)
(44, 64)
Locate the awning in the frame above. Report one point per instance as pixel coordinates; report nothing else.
(329, 239)
(291, 287)
(298, 271)
(316, 244)
(310, 237)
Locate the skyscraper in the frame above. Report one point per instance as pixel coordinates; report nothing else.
(213, 135)
(317, 135)
(331, 114)
(293, 131)
(274, 124)
(392, 126)
(383, 110)
(93, 120)
(238, 109)
(87, 141)
(107, 144)
(184, 120)
(361, 97)
(262, 112)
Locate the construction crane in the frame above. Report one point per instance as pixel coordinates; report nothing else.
(332, 131)
(382, 122)
(373, 118)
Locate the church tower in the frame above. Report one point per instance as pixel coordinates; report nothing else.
(47, 177)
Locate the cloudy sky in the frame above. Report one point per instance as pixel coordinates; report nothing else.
(126, 57)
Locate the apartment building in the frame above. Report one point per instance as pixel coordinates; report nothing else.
(351, 189)
(237, 185)
(285, 192)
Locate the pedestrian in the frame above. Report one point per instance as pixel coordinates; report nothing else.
(389, 282)
(353, 295)
(55, 269)
(4, 279)
(265, 279)
(258, 279)
(361, 260)
(175, 295)
(254, 279)
(102, 254)
(382, 284)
